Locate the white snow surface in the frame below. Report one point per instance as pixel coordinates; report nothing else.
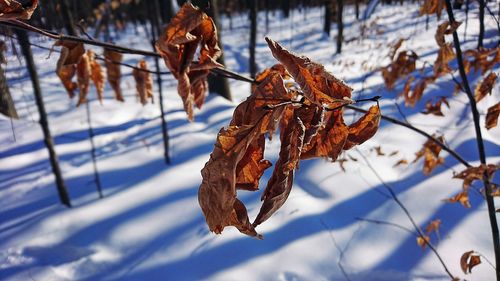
(149, 226)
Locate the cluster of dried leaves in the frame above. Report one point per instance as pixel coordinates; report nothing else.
(189, 30)
(310, 123)
(433, 226)
(76, 61)
(12, 9)
(470, 175)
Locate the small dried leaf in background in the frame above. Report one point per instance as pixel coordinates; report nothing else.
(83, 79)
(492, 116)
(485, 87)
(96, 75)
(143, 82)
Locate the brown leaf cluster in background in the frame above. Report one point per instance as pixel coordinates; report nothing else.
(404, 64)
(430, 151)
(481, 59)
(435, 108)
(469, 260)
(430, 7)
(113, 71)
(310, 125)
(143, 82)
(422, 241)
(492, 116)
(12, 9)
(485, 87)
(189, 29)
(433, 226)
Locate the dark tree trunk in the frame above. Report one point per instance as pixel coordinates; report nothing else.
(356, 8)
(252, 5)
(216, 84)
(67, 17)
(285, 7)
(481, 24)
(340, 25)
(166, 10)
(54, 161)
(328, 17)
(7, 106)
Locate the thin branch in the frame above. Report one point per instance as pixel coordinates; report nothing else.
(341, 255)
(407, 213)
(415, 129)
(388, 223)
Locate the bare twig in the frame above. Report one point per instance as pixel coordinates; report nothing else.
(418, 230)
(388, 223)
(341, 255)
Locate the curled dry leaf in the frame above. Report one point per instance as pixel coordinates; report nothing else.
(422, 241)
(187, 30)
(363, 129)
(96, 75)
(433, 226)
(479, 59)
(468, 261)
(143, 82)
(395, 48)
(430, 151)
(492, 116)
(404, 64)
(401, 162)
(237, 159)
(71, 54)
(418, 91)
(280, 184)
(318, 86)
(12, 9)
(83, 79)
(462, 198)
(113, 71)
(471, 174)
(485, 87)
(435, 108)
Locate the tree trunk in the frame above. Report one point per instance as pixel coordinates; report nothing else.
(481, 24)
(67, 17)
(7, 106)
(328, 17)
(252, 5)
(166, 10)
(340, 25)
(356, 8)
(54, 161)
(216, 84)
(285, 8)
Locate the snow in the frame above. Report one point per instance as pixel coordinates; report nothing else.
(149, 225)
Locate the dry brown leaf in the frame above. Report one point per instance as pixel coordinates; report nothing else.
(378, 150)
(12, 9)
(401, 162)
(445, 55)
(492, 116)
(422, 241)
(430, 7)
(113, 71)
(430, 151)
(418, 92)
(462, 198)
(468, 261)
(404, 64)
(363, 129)
(471, 174)
(444, 29)
(71, 54)
(479, 58)
(393, 153)
(433, 226)
(187, 30)
(395, 48)
(318, 86)
(485, 87)
(96, 75)
(280, 184)
(143, 82)
(435, 109)
(83, 79)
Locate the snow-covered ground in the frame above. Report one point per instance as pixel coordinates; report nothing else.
(149, 225)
